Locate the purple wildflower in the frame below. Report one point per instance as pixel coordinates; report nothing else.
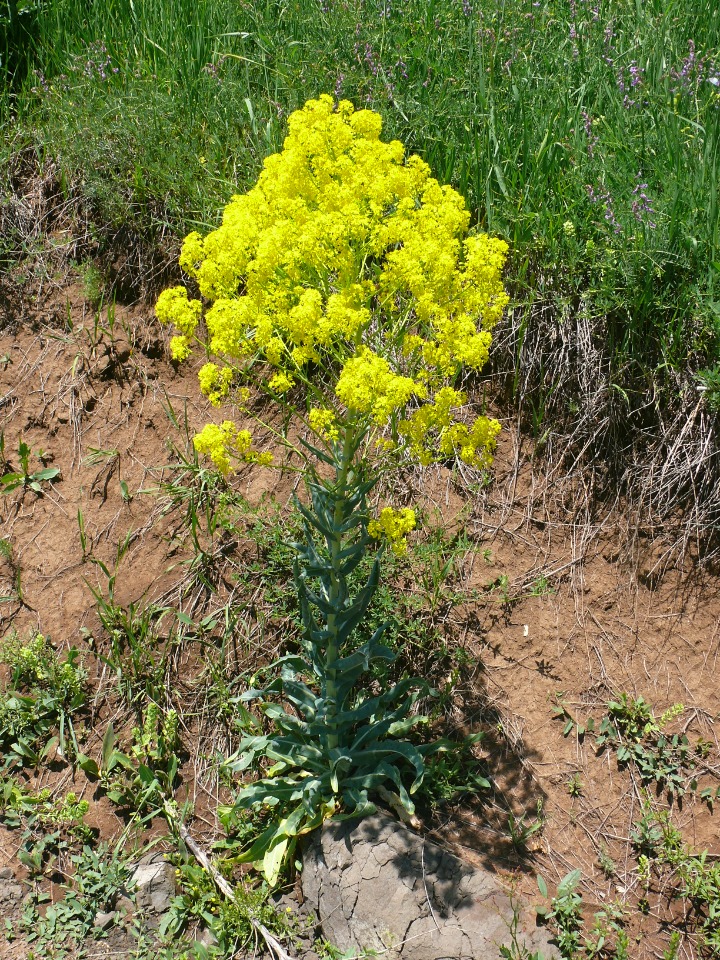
(642, 206)
(605, 198)
(592, 138)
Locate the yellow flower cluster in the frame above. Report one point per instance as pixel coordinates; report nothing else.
(393, 525)
(347, 269)
(367, 384)
(215, 382)
(174, 306)
(431, 432)
(221, 443)
(323, 423)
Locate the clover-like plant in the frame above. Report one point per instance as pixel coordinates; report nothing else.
(345, 288)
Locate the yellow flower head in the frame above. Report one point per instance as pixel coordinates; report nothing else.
(281, 383)
(323, 422)
(226, 443)
(179, 348)
(215, 382)
(347, 269)
(367, 384)
(393, 525)
(173, 306)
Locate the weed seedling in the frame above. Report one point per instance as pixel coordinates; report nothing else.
(521, 831)
(26, 478)
(575, 786)
(44, 696)
(7, 554)
(564, 913)
(631, 730)
(606, 862)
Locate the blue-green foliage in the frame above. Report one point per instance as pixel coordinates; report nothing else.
(341, 740)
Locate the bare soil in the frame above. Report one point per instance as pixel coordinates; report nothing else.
(582, 609)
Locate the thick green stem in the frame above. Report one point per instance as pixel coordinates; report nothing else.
(336, 594)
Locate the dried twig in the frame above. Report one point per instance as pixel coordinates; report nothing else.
(275, 947)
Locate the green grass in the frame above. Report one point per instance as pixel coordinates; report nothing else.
(162, 109)
(585, 132)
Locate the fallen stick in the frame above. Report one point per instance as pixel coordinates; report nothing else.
(275, 947)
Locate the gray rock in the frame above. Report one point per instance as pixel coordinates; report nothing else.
(11, 891)
(104, 920)
(6, 873)
(208, 938)
(376, 885)
(153, 883)
(125, 905)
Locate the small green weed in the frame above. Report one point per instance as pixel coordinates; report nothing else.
(26, 478)
(139, 654)
(606, 936)
(521, 830)
(452, 775)
(45, 693)
(575, 785)
(97, 876)
(52, 829)
(8, 555)
(631, 730)
(141, 778)
(92, 283)
(606, 862)
(231, 922)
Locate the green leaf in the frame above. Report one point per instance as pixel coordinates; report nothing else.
(273, 860)
(48, 474)
(542, 886)
(568, 883)
(88, 765)
(146, 775)
(107, 746)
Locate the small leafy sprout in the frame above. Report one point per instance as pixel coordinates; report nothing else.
(83, 534)
(502, 585)
(92, 282)
(564, 913)
(95, 876)
(647, 835)
(25, 478)
(709, 797)
(36, 713)
(140, 779)
(575, 786)
(7, 554)
(520, 831)
(630, 729)
(606, 862)
(454, 773)
(96, 456)
(561, 712)
(541, 587)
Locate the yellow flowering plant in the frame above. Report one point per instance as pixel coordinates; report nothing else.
(345, 287)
